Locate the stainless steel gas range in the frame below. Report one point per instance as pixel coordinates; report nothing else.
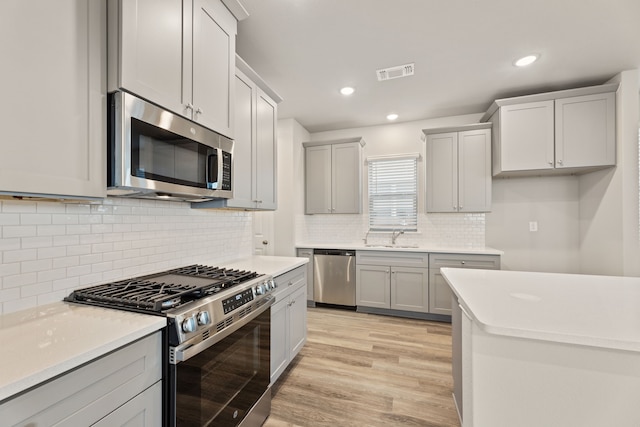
(217, 352)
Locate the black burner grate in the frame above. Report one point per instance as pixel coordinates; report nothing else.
(228, 277)
(162, 291)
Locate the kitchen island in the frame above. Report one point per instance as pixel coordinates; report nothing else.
(545, 349)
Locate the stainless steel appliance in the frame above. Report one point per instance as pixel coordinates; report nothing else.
(334, 276)
(217, 350)
(153, 153)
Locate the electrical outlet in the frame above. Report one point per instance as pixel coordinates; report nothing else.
(533, 225)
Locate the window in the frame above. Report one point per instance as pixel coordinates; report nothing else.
(393, 193)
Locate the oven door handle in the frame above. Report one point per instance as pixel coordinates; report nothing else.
(186, 351)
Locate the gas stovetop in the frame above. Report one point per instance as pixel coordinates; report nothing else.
(160, 292)
(194, 297)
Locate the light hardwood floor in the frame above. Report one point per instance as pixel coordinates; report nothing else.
(367, 370)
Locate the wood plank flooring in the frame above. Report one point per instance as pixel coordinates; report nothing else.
(367, 370)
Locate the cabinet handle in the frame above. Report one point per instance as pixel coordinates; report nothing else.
(559, 162)
(188, 106)
(198, 110)
(290, 283)
(550, 163)
(455, 208)
(462, 262)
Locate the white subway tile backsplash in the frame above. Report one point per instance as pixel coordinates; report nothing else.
(19, 231)
(35, 290)
(9, 219)
(19, 206)
(20, 255)
(48, 249)
(442, 229)
(37, 242)
(19, 280)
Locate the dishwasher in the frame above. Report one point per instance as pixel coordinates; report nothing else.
(334, 276)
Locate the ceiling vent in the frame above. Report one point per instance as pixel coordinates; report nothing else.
(395, 72)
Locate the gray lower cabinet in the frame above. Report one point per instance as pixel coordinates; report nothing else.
(392, 280)
(439, 291)
(308, 253)
(121, 388)
(288, 319)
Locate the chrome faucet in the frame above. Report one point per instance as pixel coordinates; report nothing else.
(394, 236)
(366, 237)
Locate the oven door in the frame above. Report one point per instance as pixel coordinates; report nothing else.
(219, 385)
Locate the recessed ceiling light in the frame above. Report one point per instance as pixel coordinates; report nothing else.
(526, 60)
(347, 90)
(392, 116)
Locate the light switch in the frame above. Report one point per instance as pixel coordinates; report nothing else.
(533, 225)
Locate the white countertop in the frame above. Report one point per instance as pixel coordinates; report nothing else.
(360, 246)
(273, 265)
(43, 342)
(598, 311)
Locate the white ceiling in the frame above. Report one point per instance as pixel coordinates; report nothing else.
(463, 50)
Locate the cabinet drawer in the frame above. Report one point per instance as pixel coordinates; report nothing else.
(490, 262)
(290, 281)
(392, 258)
(85, 395)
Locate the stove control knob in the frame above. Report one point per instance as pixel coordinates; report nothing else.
(260, 290)
(204, 318)
(189, 324)
(273, 284)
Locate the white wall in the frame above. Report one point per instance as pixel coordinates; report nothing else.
(48, 249)
(290, 186)
(609, 231)
(553, 203)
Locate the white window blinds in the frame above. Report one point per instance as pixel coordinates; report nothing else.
(393, 193)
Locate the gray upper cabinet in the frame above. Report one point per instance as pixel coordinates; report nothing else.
(459, 168)
(54, 138)
(333, 176)
(177, 54)
(570, 131)
(254, 150)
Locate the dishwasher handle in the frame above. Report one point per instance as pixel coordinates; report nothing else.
(336, 252)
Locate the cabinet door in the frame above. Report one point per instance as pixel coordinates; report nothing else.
(442, 172)
(297, 321)
(144, 410)
(151, 51)
(308, 253)
(410, 289)
(474, 171)
(54, 129)
(243, 146)
(439, 293)
(585, 131)
(373, 286)
(265, 152)
(318, 179)
(527, 136)
(214, 49)
(279, 338)
(346, 181)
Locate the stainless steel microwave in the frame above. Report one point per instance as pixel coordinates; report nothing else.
(154, 153)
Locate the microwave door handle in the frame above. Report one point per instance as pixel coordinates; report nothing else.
(213, 168)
